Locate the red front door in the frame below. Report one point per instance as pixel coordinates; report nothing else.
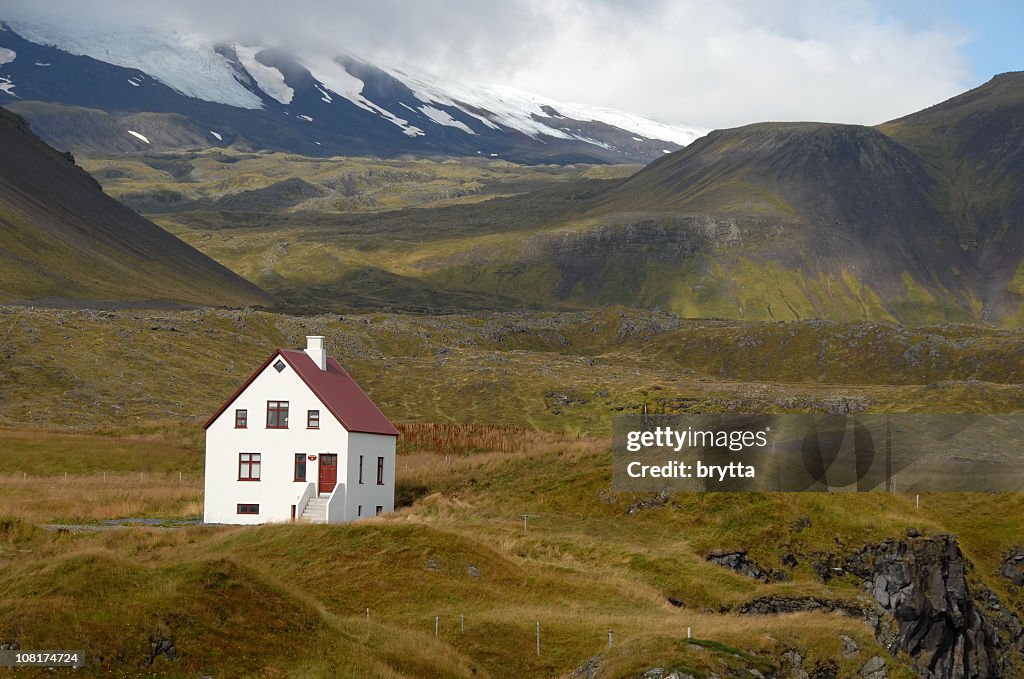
(328, 473)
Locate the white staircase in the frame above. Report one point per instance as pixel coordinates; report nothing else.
(315, 511)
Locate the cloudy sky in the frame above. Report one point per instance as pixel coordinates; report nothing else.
(716, 64)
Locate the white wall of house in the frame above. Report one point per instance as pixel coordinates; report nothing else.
(277, 491)
(363, 498)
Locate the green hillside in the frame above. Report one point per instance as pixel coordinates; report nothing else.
(62, 238)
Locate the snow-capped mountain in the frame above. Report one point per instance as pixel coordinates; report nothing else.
(121, 91)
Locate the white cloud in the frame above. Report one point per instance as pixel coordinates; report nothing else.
(715, 64)
(720, 64)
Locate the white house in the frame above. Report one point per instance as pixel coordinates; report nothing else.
(299, 440)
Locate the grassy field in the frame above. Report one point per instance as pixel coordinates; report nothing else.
(502, 415)
(143, 372)
(261, 602)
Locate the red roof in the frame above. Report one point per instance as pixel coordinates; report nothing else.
(336, 390)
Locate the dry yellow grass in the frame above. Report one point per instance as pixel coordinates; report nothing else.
(95, 497)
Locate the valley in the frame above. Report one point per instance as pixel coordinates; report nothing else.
(770, 222)
(502, 274)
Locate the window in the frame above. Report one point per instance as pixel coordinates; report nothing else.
(359, 510)
(313, 419)
(380, 471)
(241, 418)
(380, 509)
(248, 466)
(279, 365)
(248, 509)
(300, 467)
(360, 469)
(277, 414)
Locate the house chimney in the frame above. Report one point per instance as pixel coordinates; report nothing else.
(315, 350)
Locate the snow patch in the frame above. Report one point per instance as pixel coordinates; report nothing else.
(132, 83)
(444, 118)
(40, 63)
(304, 117)
(338, 80)
(318, 143)
(497, 106)
(665, 151)
(595, 142)
(637, 139)
(216, 136)
(185, 63)
(141, 137)
(269, 79)
(7, 56)
(324, 94)
(7, 86)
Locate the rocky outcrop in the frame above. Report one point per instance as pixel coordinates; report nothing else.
(739, 562)
(651, 502)
(773, 605)
(931, 613)
(161, 646)
(1012, 567)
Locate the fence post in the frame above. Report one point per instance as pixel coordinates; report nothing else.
(538, 638)
(437, 624)
(611, 637)
(463, 624)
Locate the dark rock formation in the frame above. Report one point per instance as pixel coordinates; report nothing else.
(652, 502)
(875, 668)
(771, 605)
(660, 673)
(826, 565)
(794, 667)
(1013, 566)
(587, 670)
(800, 524)
(161, 646)
(931, 612)
(742, 564)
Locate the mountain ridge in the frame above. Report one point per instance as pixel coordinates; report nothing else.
(270, 98)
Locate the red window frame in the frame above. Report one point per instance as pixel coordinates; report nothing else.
(241, 418)
(380, 471)
(247, 508)
(247, 464)
(300, 463)
(277, 412)
(312, 419)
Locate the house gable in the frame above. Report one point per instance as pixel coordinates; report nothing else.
(333, 387)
